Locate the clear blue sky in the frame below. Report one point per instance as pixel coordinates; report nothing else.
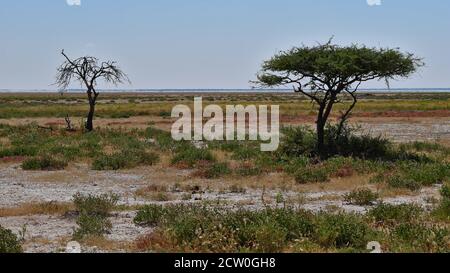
(210, 43)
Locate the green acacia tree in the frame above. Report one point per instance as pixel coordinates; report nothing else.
(327, 73)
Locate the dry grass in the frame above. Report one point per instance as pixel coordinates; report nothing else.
(50, 208)
(108, 245)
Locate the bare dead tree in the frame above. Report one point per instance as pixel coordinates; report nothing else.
(69, 126)
(87, 71)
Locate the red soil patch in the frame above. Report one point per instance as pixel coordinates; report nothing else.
(405, 114)
(55, 123)
(12, 159)
(388, 114)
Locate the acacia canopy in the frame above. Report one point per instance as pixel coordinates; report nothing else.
(324, 73)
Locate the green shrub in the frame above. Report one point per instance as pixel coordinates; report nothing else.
(165, 114)
(93, 212)
(246, 153)
(215, 170)
(445, 192)
(110, 162)
(228, 146)
(350, 144)
(302, 141)
(95, 204)
(400, 182)
(419, 237)
(425, 147)
(312, 174)
(298, 141)
(9, 243)
(163, 139)
(361, 197)
(124, 160)
(150, 215)
(296, 164)
(191, 156)
(91, 225)
(44, 163)
(443, 210)
(219, 230)
(427, 174)
(19, 151)
(341, 230)
(388, 214)
(414, 175)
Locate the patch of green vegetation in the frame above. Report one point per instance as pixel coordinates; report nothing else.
(93, 212)
(198, 228)
(311, 174)
(443, 210)
(18, 151)
(44, 163)
(361, 197)
(342, 230)
(214, 170)
(125, 160)
(414, 175)
(426, 147)
(419, 237)
(388, 215)
(191, 156)
(9, 243)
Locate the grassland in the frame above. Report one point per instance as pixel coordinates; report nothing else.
(123, 105)
(224, 196)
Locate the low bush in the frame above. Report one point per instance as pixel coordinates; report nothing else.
(418, 237)
(296, 164)
(9, 243)
(124, 160)
(425, 147)
(246, 153)
(213, 171)
(43, 163)
(341, 230)
(191, 157)
(312, 174)
(95, 204)
(19, 151)
(214, 229)
(91, 225)
(302, 141)
(93, 212)
(387, 214)
(443, 210)
(298, 141)
(401, 182)
(150, 215)
(219, 230)
(361, 197)
(414, 176)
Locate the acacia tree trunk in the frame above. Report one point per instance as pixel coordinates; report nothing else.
(90, 116)
(320, 135)
(324, 113)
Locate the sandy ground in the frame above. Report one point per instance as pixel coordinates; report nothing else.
(46, 233)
